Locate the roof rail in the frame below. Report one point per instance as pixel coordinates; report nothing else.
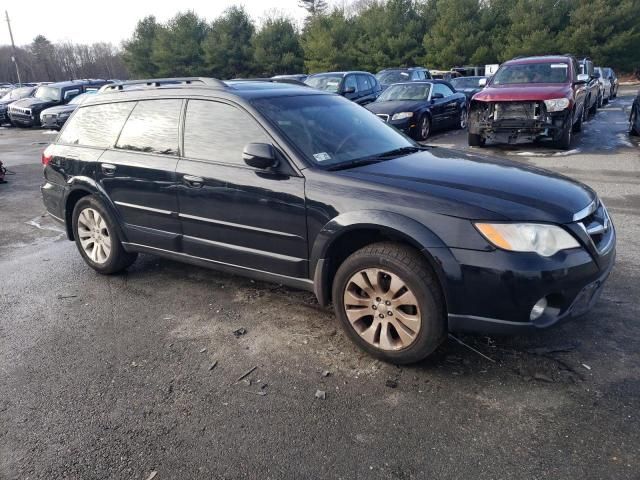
(158, 82)
(292, 81)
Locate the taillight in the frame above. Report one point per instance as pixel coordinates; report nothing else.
(46, 157)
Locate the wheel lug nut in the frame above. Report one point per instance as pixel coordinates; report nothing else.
(378, 299)
(375, 307)
(387, 303)
(390, 313)
(381, 315)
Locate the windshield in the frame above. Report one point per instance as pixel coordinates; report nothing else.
(328, 83)
(18, 93)
(468, 82)
(392, 76)
(531, 73)
(405, 91)
(48, 93)
(331, 130)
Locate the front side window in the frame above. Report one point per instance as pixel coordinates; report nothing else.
(71, 93)
(152, 127)
(219, 132)
(96, 125)
(350, 82)
(49, 94)
(330, 130)
(442, 89)
(546, 72)
(364, 83)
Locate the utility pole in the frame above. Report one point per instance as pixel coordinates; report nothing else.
(13, 46)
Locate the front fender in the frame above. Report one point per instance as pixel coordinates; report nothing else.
(413, 232)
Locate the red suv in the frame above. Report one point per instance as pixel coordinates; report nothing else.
(530, 99)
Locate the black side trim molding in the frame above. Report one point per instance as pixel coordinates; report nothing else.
(300, 283)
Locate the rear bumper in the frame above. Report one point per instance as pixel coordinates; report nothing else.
(494, 292)
(51, 121)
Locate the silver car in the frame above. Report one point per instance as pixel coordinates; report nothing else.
(604, 87)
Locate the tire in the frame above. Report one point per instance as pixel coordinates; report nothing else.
(463, 119)
(633, 122)
(564, 142)
(600, 101)
(577, 127)
(594, 109)
(476, 140)
(585, 111)
(107, 254)
(377, 331)
(423, 128)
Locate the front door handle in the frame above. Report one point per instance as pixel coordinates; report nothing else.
(193, 182)
(108, 169)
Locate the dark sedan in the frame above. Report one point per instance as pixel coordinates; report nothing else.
(55, 117)
(469, 85)
(417, 108)
(634, 118)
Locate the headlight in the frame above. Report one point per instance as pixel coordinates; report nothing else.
(401, 115)
(556, 104)
(546, 240)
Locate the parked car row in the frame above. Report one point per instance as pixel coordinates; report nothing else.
(48, 104)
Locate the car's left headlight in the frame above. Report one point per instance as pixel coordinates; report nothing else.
(401, 115)
(556, 104)
(546, 240)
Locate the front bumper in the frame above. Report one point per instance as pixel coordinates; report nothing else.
(494, 292)
(24, 120)
(542, 126)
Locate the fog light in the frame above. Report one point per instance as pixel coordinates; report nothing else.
(538, 309)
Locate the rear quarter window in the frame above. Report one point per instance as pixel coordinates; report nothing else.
(96, 125)
(152, 127)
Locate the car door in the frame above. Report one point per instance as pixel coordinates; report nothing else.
(439, 106)
(231, 213)
(365, 87)
(451, 107)
(349, 88)
(139, 173)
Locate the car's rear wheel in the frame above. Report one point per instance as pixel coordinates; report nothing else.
(97, 238)
(594, 108)
(389, 303)
(476, 140)
(424, 127)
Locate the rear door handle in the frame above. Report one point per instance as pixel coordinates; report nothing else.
(194, 182)
(108, 169)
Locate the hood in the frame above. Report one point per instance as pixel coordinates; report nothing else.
(508, 189)
(524, 92)
(33, 103)
(395, 106)
(60, 109)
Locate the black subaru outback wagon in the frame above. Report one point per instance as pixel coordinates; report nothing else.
(308, 189)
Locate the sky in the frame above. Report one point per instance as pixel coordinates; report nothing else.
(115, 20)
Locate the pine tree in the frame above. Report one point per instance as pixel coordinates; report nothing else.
(138, 50)
(277, 48)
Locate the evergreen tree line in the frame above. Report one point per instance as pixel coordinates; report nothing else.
(374, 34)
(44, 61)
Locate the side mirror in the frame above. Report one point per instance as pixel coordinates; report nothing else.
(582, 78)
(349, 90)
(259, 155)
(595, 75)
(435, 96)
(482, 82)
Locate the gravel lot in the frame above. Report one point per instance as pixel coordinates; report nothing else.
(110, 377)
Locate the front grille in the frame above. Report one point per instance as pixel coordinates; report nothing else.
(599, 227)
(383, 116)
(19, 111)
(516, 111)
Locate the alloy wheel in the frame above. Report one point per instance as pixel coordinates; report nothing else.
(94, 235)
(425, 127)
(382, 309)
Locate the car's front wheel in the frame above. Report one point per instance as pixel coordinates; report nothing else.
(424, 127)
(564, 142)
(634, 129)
(389, 303)
(97, 238)
(476, 140)
(464, 116)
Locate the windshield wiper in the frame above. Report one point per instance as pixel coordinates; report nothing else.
(380, 157)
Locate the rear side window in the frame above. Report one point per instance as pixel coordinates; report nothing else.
(96, 125)
(364, 83)
(219, 132)
(152, 127)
